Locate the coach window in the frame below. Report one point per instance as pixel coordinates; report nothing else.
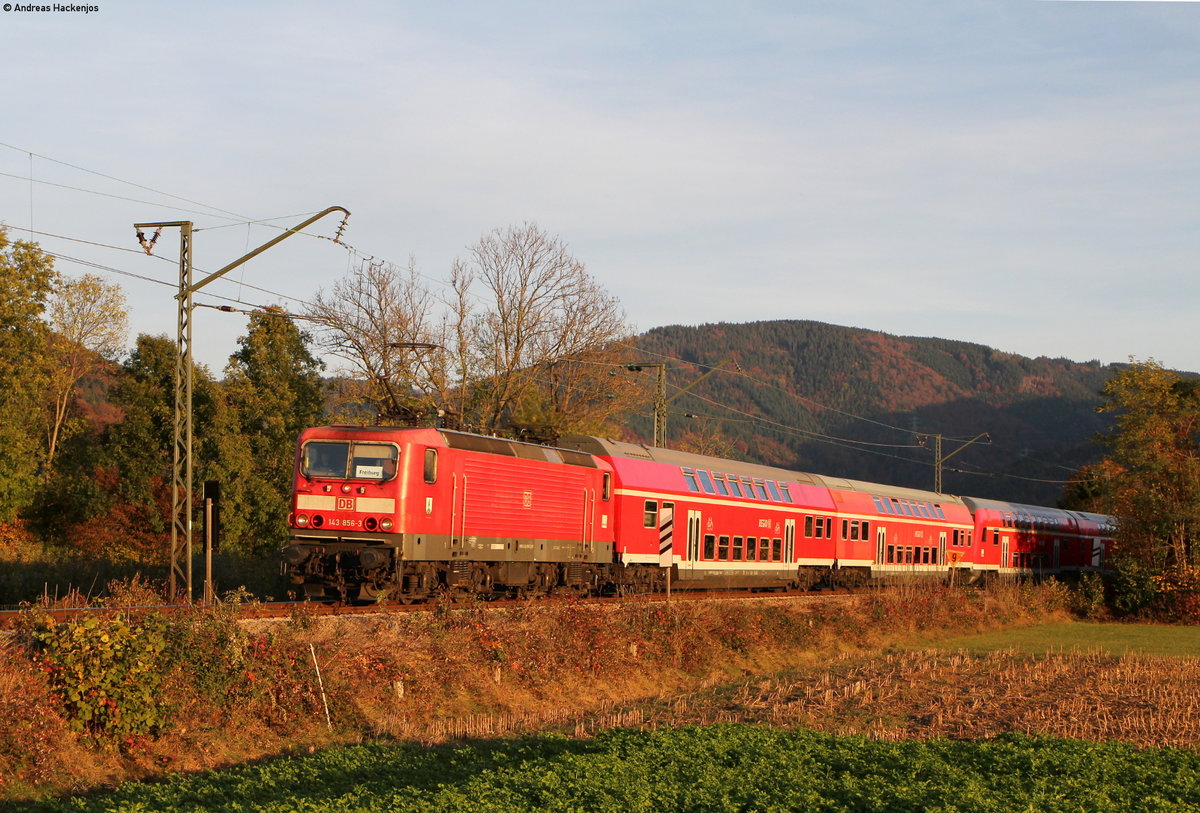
(995, 536)
(751, 548)
(777, 550)
(820, 527)
(866, 531)
(829, 527)
(650, 515)
(710, 546)
(760, 491)
(808, 527)
(774, 491)
(786, 492)
(706, 481)
(764, 550)
(845, 529)
(719, 481)
(723, 548)
(734, 487)
(431, 463)
(737, 549)
(689, 477)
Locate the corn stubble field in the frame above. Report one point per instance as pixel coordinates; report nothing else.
(777, 704)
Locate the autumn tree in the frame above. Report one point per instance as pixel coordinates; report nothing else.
(540, 346)
(272, 391)
(379, 322)
(115, 497)
(27, 279)
(87, 333)
(1154, 465)
(523, 338)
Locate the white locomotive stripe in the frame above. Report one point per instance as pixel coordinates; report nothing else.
(375, 505)
(796, 508)
(315, 502)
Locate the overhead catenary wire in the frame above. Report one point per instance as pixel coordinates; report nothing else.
(238, 219)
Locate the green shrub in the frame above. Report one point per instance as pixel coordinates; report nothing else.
(1134, 588)
(106, 671)
(1087, 599)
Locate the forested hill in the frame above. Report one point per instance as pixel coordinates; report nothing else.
(834, 391)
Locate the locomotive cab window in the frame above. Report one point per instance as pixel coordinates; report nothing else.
(431, 466)
(345, 460)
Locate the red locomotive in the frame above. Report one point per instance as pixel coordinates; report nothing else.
(409, 512)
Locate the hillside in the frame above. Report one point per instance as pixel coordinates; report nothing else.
(826, 385)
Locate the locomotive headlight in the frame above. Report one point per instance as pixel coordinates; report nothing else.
(386, 524)
(345, 488)
(301, 520)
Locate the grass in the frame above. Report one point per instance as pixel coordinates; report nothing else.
(1111, 639)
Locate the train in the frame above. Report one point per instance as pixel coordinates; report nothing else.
(407, 514)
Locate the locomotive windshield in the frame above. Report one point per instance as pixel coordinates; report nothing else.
(348, 460)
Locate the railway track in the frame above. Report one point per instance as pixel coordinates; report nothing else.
(9, 619)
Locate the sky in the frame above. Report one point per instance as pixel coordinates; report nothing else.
(1023, 174)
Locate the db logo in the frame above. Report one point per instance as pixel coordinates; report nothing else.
(345, 503)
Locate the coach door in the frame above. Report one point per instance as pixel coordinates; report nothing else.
(941, 549)
(1004, 562)
(880, 544)
(693, 539)
(789, 540)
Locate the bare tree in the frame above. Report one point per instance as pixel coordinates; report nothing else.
(546, 335)
(378, 321)
(88, 327)
(523, 335)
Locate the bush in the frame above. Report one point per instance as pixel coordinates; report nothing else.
(1134, 588)
(105, 671)
(1087, 599)
(1178, 597)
